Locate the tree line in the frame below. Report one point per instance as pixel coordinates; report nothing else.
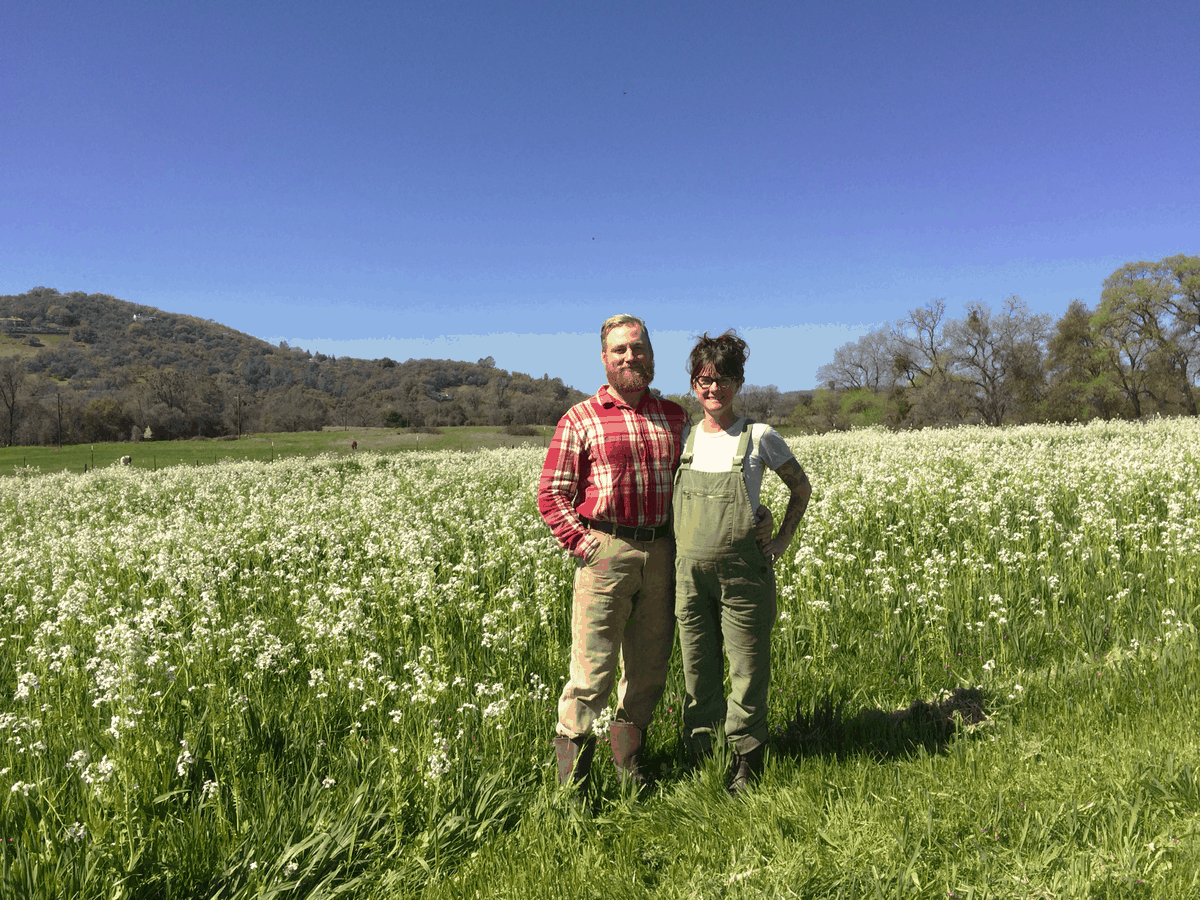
(79, 368)
(1136, 354)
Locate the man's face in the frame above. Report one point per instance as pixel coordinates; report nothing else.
(628, 361)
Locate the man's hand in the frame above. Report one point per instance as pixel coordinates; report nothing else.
(764, 525)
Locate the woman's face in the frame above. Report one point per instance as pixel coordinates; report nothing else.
(715, 393)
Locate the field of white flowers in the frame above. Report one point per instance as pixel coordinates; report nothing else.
(315, 677)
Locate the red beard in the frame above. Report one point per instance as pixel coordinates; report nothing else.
(631, 379)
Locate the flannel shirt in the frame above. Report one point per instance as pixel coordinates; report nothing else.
(610, 462)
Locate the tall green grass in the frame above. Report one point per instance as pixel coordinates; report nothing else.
(336, 676)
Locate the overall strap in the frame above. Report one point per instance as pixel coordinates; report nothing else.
(739, 458)
(689, 449)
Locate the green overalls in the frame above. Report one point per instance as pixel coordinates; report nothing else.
(724, 600)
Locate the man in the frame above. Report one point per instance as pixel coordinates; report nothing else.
(605, 492)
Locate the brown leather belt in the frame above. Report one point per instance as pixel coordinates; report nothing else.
(630, 532)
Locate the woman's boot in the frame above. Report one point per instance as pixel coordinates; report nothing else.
(698, 747)
(747, 767)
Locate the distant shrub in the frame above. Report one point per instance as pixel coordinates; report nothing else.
(520, 430)
(424, 429)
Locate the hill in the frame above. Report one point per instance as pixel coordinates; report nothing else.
(82, 367)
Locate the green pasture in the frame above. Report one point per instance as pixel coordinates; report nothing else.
(336, 676)
(13, 345)
(263, 447)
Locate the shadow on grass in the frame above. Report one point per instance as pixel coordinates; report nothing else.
(826, 729)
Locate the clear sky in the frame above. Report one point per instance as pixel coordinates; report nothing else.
(463, 179)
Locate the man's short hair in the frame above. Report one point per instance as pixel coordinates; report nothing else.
(622, 319)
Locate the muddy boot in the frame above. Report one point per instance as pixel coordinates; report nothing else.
(626, 740)
(746, 768)
(575, 760)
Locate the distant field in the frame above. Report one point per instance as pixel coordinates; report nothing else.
(159, 454)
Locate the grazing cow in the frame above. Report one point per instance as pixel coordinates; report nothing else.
(354, 445)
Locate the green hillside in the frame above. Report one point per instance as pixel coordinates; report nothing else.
(79, 368)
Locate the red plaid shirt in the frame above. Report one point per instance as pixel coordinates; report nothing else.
(610, 462)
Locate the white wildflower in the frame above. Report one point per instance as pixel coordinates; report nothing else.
(27, 683)
(438, 763)
(184, 760)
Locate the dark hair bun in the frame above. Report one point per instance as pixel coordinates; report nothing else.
(726, 353)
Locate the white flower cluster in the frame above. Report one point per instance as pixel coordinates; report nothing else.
(947, 529)
(438, 763)
(184, 761)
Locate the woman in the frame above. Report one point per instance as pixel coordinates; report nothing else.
(724, 583)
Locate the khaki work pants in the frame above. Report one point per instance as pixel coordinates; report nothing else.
(622, 613)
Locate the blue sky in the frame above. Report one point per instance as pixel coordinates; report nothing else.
(464, 179)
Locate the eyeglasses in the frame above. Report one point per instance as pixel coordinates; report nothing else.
(704, 383)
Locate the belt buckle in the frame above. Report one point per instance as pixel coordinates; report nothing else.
(649, 532)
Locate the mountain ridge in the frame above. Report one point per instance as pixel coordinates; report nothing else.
(95, 367)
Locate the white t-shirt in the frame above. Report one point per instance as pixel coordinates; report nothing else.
(714, 453)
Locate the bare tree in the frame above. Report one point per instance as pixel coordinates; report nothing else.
(929, 391)
(919, 344)
(1002, 356)
(296, 410)
(168, 387)
(865, 363)
(12, 384)
(759, 402)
